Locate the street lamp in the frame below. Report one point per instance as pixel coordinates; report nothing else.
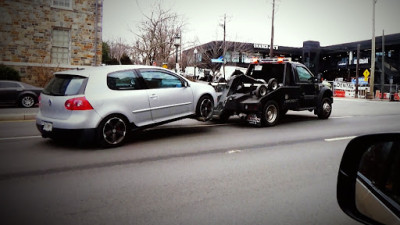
(177, 43)
(195, 61)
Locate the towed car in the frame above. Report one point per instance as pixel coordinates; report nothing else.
(105, 103)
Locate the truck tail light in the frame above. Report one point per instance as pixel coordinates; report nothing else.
(80, 103)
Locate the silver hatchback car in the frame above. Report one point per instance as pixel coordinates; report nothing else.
(105, 103)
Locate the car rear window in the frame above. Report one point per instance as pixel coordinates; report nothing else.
(65, 85)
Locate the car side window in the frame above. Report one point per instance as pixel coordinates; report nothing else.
(160, 79)
(123, 80)
(304, 75)
(9, 85)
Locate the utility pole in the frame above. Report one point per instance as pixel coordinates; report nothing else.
(224, 61)
(383, 63)
(357, 68)
(371, 80)
(271, 47)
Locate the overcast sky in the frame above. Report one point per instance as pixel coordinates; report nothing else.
(327, 21)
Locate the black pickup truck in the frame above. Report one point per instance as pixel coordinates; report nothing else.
(269, 89)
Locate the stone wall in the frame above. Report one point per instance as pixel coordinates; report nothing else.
(26, 32)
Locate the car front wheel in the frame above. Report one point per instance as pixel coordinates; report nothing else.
(205, 108)
(270, 114)
(112, 131)
(27, 101)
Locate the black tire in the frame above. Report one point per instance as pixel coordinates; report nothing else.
(224, 116)
(270, 114)
(27, 101)
(325, 108)
(272, 84)
(261, 91)
(205, 108)
(112, 131)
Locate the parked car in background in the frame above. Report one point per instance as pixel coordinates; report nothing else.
(18, 93)
(105, 103)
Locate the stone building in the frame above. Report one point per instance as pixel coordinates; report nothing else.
(39, 37)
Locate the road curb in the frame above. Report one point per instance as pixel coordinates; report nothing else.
(11, 117)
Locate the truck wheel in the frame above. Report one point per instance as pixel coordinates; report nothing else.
(224, 116)
(205, 108)
(270, 114)
(325, 108)
(261, 90)
(272, 84)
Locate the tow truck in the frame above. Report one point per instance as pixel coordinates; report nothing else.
(269, 88)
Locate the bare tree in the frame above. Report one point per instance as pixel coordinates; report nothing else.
(155, 35)
(215, 49)
(118, 48)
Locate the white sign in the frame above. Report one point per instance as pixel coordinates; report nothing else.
(265, 46)
(362, 61)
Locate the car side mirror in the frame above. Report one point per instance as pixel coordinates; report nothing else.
(368, 187)
(185, 84)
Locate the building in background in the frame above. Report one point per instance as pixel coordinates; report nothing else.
(40, 37)
(335, 61)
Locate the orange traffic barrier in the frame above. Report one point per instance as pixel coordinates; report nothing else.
(340, 93)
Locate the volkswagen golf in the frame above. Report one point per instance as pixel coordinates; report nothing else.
(106, 103)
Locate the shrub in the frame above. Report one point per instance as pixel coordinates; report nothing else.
(9, 73)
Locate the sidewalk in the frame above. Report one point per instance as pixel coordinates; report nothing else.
(361, 99)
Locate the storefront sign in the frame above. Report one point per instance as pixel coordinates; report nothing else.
(265, 46)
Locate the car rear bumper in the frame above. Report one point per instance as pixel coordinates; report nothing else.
(77, 120)
(82, 123)
(67, 134)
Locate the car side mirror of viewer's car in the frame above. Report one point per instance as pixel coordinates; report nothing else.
(368, 188)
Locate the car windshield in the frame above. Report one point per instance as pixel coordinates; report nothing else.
(64, 85)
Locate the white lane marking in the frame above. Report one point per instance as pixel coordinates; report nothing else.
(341, 117)
(233, 151)
(339, 138)
(19, 138)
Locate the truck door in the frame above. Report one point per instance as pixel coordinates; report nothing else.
(305, 80)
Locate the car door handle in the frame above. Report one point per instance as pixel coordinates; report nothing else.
(154, 96)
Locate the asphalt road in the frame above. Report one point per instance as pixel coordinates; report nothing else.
(188, 172)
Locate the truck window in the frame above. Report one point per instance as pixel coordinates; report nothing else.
(304, 75)
(267, 71)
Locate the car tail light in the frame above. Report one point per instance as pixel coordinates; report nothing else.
(80, 103)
